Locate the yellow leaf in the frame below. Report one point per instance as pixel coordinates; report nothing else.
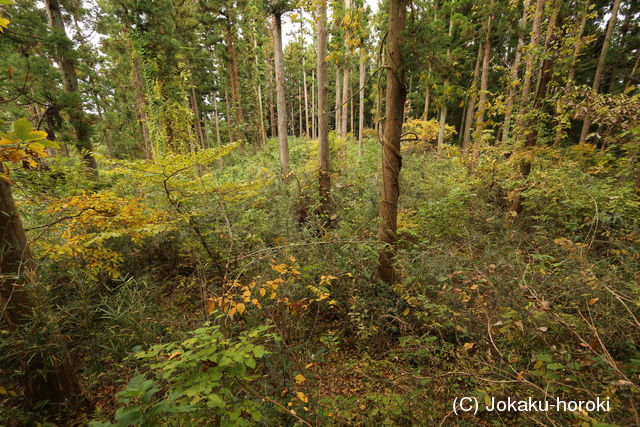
(303, 397)
(232, 312)
(241, 308)
(175, 354)
(211, 305)
(299, 378)
(273, 295)
(593, 300)
(468, 346)
(309, 365)
(280, 268)
(263, 292)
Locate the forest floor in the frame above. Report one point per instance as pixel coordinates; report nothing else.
(540, 305)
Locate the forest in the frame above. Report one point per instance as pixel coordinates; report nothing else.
(340, 213)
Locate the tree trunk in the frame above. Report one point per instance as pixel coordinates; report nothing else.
(197, 124)
(306, 99)
(67, 65)
(323, 114)
(338, 120)
(391, 158)
(531, 60)
(361, 76)
(513, 75)
(351, 111)
(280, 94)
(471, 108)
(228, 114)
(572, 68)
(300, 130)
(344, 115)
(345, 75)
(314, 134)
(57, 382)
(272, 109)
(601, 63)
(261, 129)
(427, 97)
(532, 135)
(141, 106)
(632, 74)
(484, 82)
(462, 123)
(443, 111)
(236, 102)
(216, 119)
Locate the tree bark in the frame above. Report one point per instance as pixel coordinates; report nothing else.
(351, 112)
(323, 114)
(300, 130)
(361, 75)
(67, 65)
(228, 115)
(306, 99)
(314, 133)
(471, 108)
(443, 110)
(391, 158)
(344, 115)
(632, 74)
(216, 119)
(197, 124)
(261, 129)
(56, 383)
(532, 135)
(280, 94)
(572, 67)
(484, 82)
(141, 106)
(236, 102)
(338, 110)
(272, 110)
(601, 63)
(427, 97)
(531, 60)
(345, 76)
(513, 74)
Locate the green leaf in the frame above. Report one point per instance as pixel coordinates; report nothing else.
(555, 366)
(545, 357)
(22, 128)
(259, 351)
(250, 362)
(36, 135)
(50, 144)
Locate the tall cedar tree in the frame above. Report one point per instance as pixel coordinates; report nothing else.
(391, 157)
